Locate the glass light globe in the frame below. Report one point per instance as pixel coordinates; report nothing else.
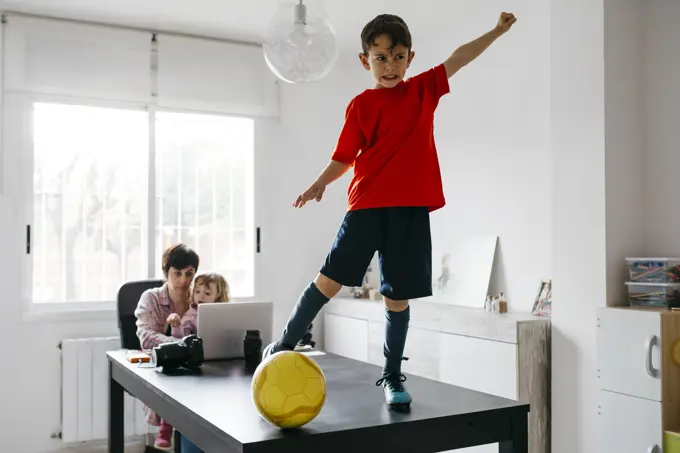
(300, 44)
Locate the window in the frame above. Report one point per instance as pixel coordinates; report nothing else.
(94, 198)
(204, 193)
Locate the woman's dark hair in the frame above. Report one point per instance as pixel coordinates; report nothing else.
(179, 256)
(386, 24)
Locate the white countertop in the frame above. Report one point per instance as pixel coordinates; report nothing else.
(458, 320)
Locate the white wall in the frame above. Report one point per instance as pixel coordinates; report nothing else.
(615, 110)
(493, 137)
(642, 102)
(579, 251)
(661, 116)
(295, 241)
(623, 26)
(31, 378)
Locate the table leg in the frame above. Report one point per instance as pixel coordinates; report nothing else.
(178, 442)
(116, 415)
(520, 436)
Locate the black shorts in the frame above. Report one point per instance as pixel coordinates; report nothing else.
(400, 235)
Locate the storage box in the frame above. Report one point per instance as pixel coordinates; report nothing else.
(654, 270)
(664, 295)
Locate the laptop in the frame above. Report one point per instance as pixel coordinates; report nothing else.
(222, 326)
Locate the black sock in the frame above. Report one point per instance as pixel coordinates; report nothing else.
(396, 328)
(308, 306)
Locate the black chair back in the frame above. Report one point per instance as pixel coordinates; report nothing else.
(128, 299)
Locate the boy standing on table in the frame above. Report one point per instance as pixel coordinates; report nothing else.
(388, 138)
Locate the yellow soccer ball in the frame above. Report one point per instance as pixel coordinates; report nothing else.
(289, 389)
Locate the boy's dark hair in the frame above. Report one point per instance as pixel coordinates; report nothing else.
(179, 256)
(386, 24)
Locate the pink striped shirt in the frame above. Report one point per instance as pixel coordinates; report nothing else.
(152, 321)
(152, 315)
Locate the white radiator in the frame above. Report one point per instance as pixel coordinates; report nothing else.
(85, 392)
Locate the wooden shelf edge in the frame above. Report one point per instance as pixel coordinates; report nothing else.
(670, 370)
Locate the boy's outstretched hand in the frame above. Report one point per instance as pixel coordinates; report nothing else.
(505, 22)
(314, 192)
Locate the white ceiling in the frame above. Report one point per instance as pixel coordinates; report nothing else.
(246, 20)
(239, 20)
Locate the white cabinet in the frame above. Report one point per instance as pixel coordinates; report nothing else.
(639, 378)
(482, 365)
(345, 336)
(505, 355)
(628, 424)
(628, 352)
(422, 350)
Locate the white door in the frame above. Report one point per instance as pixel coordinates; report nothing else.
(481, 365)
(629, 352)
(628, 424)
(345, 336)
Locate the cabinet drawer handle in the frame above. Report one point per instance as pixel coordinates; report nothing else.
(653, 449)
(651, 371)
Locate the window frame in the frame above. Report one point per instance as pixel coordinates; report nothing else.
(19, 152)
(257, 202)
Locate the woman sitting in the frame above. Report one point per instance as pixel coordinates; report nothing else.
(179, 264)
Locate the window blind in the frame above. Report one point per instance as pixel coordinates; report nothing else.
(211, 75)
(57, 57)
(74, 59)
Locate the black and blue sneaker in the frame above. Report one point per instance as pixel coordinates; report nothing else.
(273, 348)
(396, 395)
(268, 350)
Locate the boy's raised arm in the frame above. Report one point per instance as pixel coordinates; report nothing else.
(350, 142)
(468, 52)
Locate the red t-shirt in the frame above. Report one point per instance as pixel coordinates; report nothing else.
(388, 137)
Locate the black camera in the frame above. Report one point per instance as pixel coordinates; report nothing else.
(307, 338)
(186, 352)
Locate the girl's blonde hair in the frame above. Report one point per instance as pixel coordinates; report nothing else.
(220, 283)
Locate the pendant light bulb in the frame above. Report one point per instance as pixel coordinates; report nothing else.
(300, 43)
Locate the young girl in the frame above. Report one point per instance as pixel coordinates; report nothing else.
(208, 288)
